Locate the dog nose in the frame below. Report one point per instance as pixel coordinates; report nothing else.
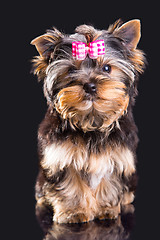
(90, 88)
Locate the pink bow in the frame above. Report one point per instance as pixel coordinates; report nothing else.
(94, 49)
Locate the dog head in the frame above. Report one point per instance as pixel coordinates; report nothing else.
(90, 93)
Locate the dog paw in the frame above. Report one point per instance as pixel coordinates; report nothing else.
(72, 218)
(80, 217)
(109, 213)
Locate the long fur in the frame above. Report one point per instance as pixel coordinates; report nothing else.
(87, 142)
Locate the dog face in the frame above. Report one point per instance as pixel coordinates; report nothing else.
(91, 93)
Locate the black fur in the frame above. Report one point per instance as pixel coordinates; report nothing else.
(59, 70)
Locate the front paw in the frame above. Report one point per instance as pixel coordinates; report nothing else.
(72, 217)
(109, 213)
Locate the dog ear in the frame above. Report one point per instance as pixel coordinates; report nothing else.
(45, 45)
(129, 33)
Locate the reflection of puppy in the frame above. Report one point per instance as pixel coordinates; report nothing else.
(88, 138)
(103, 230)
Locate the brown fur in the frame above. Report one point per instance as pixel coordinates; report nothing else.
(112, 103)
(87, 141)
(96, 195)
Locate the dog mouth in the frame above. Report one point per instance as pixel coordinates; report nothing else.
(91, 111)
(85, 105)
(74, 98)
(89, 97)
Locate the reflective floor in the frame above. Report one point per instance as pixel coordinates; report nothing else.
(118, 229)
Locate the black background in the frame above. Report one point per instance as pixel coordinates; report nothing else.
(23, 106)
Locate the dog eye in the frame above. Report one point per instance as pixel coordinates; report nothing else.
(106, 68)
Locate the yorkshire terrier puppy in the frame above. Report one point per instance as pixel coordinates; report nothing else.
(88, 138)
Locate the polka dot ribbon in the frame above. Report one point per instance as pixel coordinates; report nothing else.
(94, 49)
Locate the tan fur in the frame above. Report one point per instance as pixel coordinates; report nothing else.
(76, 155)
(128, 198)
(138, 60)
(79, 204)
(58, 156)
(85, 143)
(108, 107)
(96, 195)
(40, 65)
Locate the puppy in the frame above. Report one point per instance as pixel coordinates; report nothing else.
(88, 138)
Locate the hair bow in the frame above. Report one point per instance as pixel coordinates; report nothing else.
(94, 49)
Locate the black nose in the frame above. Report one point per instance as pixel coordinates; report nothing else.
(90, 88)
